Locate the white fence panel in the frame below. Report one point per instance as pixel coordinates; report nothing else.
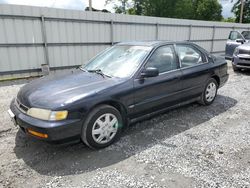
(31, 36)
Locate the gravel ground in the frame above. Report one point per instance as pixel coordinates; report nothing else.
(192, 146)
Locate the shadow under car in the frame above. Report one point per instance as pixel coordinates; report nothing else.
(71, 159)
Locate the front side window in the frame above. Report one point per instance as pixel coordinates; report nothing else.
(119, 61)
(234, 35)
(189, 56)
(163, 59)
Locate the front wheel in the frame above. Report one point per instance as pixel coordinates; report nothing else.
(235, 68)
(102, 127)
(210, 92)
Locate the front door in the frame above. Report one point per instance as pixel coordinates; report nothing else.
(154, 93)
(232, 43)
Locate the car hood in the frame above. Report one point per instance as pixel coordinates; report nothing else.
(245, 46)
(61, 89)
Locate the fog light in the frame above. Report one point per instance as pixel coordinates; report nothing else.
(40, 135)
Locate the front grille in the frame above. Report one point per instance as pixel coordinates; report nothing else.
(245, 59)
(244, 64)
(21, 107)
(241, 51)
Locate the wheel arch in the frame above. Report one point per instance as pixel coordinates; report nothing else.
(217, 78)
(117, 105)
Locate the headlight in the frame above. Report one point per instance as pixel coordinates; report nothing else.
(47, 114)
(236, 51)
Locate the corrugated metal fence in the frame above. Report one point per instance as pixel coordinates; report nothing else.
(31, 36)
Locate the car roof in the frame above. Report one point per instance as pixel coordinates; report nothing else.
(152, 43)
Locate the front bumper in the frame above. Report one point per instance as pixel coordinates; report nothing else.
(241, 62)
(57, 131)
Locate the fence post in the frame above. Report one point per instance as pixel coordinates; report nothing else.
(45, 40)
(212, 44)
(190, 32)
(157, 31)
(112, 32)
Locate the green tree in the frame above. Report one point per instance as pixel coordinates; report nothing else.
(185, 9)
(208, 10)
(120, 6)
(159, 8)
(199, 10)
(138, 6)
(230, 19)
(246, 11)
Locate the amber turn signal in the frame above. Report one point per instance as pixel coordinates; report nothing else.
(40, 135)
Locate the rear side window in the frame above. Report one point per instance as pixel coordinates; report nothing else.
(163, 59)
(189, 56)
(234, 35)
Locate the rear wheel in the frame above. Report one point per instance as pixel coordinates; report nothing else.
(102, 127)
(210, 92)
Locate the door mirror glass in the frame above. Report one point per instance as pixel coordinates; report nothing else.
(150, 72)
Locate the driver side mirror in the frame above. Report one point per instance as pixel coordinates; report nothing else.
(150, 72)
(240, 41)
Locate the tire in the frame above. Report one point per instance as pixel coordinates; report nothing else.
(206, 98)
(235, 68)
(102, 127)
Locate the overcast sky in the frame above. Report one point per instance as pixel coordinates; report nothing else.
(227, 7)
(98, 4)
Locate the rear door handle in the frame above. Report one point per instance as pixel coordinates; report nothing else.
(176, 78)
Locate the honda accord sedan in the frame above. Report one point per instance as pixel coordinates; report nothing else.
(125, 83)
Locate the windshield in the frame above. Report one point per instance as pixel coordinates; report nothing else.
(246, 34)
(118, 61)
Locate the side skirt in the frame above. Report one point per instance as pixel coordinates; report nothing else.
(147, 116)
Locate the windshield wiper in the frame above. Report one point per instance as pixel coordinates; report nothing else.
(99, 71)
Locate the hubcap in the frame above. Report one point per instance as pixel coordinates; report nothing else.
(105, 128)
(211, 92)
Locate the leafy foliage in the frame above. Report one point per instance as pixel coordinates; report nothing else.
(230, 19)
(186, 9)
(121, 6)
(208, 10)
(246, 11)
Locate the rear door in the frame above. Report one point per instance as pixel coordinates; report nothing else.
(232, 43)
(195, 67)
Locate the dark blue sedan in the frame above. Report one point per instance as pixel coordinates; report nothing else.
(126, 83)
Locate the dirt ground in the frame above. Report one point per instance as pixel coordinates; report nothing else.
(192, 146)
